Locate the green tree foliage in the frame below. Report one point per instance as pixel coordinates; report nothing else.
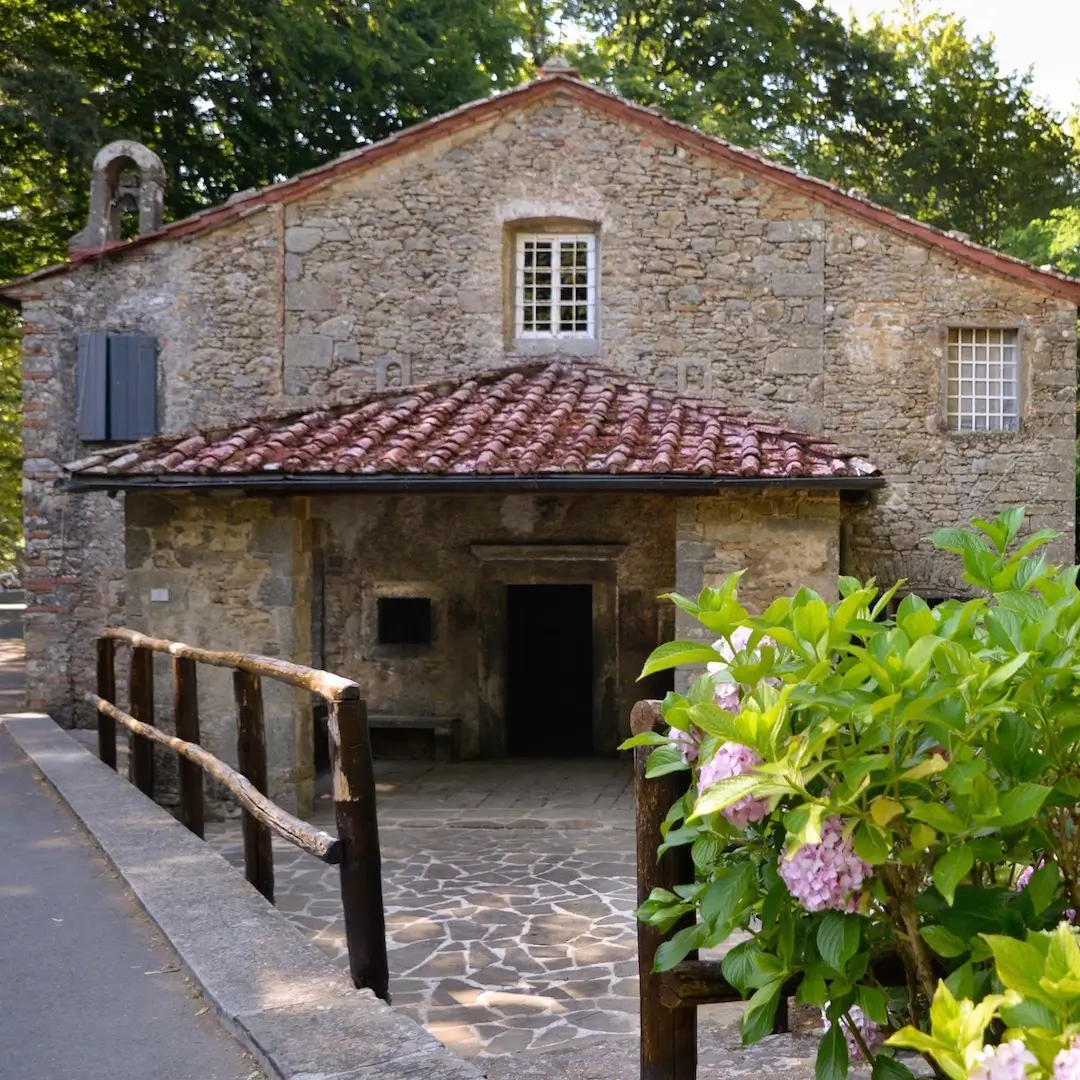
(232, 94)
(1053, 240)
(915, 113)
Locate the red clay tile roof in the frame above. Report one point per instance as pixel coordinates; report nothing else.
(539, 420)
(528, 94)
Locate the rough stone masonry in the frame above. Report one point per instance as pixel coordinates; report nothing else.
(717, 277)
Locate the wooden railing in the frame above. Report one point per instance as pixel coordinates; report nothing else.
(669, 1000)
(355, 850)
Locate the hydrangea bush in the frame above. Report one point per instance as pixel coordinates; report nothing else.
(1032, 1030)
(876, 801)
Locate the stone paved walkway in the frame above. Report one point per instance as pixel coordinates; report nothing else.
(509, 889)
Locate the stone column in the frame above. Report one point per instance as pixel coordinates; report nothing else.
(783, 541)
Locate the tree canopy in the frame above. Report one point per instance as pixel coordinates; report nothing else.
(234, 94)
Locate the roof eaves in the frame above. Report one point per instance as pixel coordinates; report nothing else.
(411, 483)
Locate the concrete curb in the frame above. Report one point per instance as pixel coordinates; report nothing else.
(281, 997)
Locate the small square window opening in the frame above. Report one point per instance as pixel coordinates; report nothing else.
(983, 380)
(555, 286)
(405, 620)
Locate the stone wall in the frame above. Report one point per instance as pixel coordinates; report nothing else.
(213, 302)
(713, 280)
(238, 575)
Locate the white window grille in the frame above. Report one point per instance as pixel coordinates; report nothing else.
(556, 286)
(983, 377)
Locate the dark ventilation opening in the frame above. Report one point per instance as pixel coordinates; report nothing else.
(549, 670)
(404, 620)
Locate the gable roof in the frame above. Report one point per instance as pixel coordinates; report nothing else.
(567, 82)
(533, 425)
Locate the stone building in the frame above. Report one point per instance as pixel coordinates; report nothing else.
(447, 414)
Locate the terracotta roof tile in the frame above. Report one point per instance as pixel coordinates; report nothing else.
(536, 419)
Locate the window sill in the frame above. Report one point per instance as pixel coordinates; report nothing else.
(555, 346)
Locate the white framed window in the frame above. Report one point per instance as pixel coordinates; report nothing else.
(983, 380)
(555, 285)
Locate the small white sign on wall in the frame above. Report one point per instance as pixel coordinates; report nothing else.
(159, 596)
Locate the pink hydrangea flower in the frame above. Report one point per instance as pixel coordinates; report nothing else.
(1009, 1061)
(727, 693)
(825, 875)
(1067, 1063)
(734, 759)
(872, 1034)
(687, 743)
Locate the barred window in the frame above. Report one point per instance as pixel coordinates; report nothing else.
(983, 378)
(555, 286)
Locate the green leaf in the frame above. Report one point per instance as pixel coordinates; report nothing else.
(872, 1003)
(674, 950)
(943, 942)
(938, 817)
(740, 964)
(1021, 803)
(760, 1015)
(1006, 671)
(706, 851)
(1019, 965)
(673, 653)
(813, 991)
(646, 738)
(664, 760)
(951, 869)
(1042, 887)
(726, 895)
(888, 1068)
(838, 938)
(832, 1057)
(725, 793)
(872, 844)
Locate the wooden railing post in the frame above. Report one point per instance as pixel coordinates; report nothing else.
(668, 1036)
(186, 722)
(142, 708)
(358, 828)
(106, 688)
(251, 753)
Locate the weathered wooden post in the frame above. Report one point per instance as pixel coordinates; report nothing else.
(142, 708)
(358, 828)
(186, 721)
(668, 1036)
(106, 688)
(251, 754)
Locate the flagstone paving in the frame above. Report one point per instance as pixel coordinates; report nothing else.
(509, 888)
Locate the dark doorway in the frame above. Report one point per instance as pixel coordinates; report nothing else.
(549, 669)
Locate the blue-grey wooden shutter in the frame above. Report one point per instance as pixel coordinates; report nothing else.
(132, 386)
(91, 377)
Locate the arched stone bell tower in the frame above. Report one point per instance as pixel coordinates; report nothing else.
(115, 190)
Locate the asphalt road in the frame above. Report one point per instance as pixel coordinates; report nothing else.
(87, 990)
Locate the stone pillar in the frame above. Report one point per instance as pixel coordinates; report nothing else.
(783, 541)
(230, 572)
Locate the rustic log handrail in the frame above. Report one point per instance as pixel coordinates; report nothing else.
(355, 850)
(306, 837)
(669, 1000)
(332, 687)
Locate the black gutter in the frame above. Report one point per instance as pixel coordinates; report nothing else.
(399, 484)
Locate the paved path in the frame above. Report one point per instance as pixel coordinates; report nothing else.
(509, 889)
(86, 990)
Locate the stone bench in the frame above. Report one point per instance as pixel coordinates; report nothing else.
(446, 729)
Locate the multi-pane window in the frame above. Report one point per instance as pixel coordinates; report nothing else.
(555, 294)
(983, 378)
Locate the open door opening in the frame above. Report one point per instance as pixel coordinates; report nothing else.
(549, 692)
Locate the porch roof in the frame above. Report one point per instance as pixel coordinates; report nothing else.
(534, 425)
